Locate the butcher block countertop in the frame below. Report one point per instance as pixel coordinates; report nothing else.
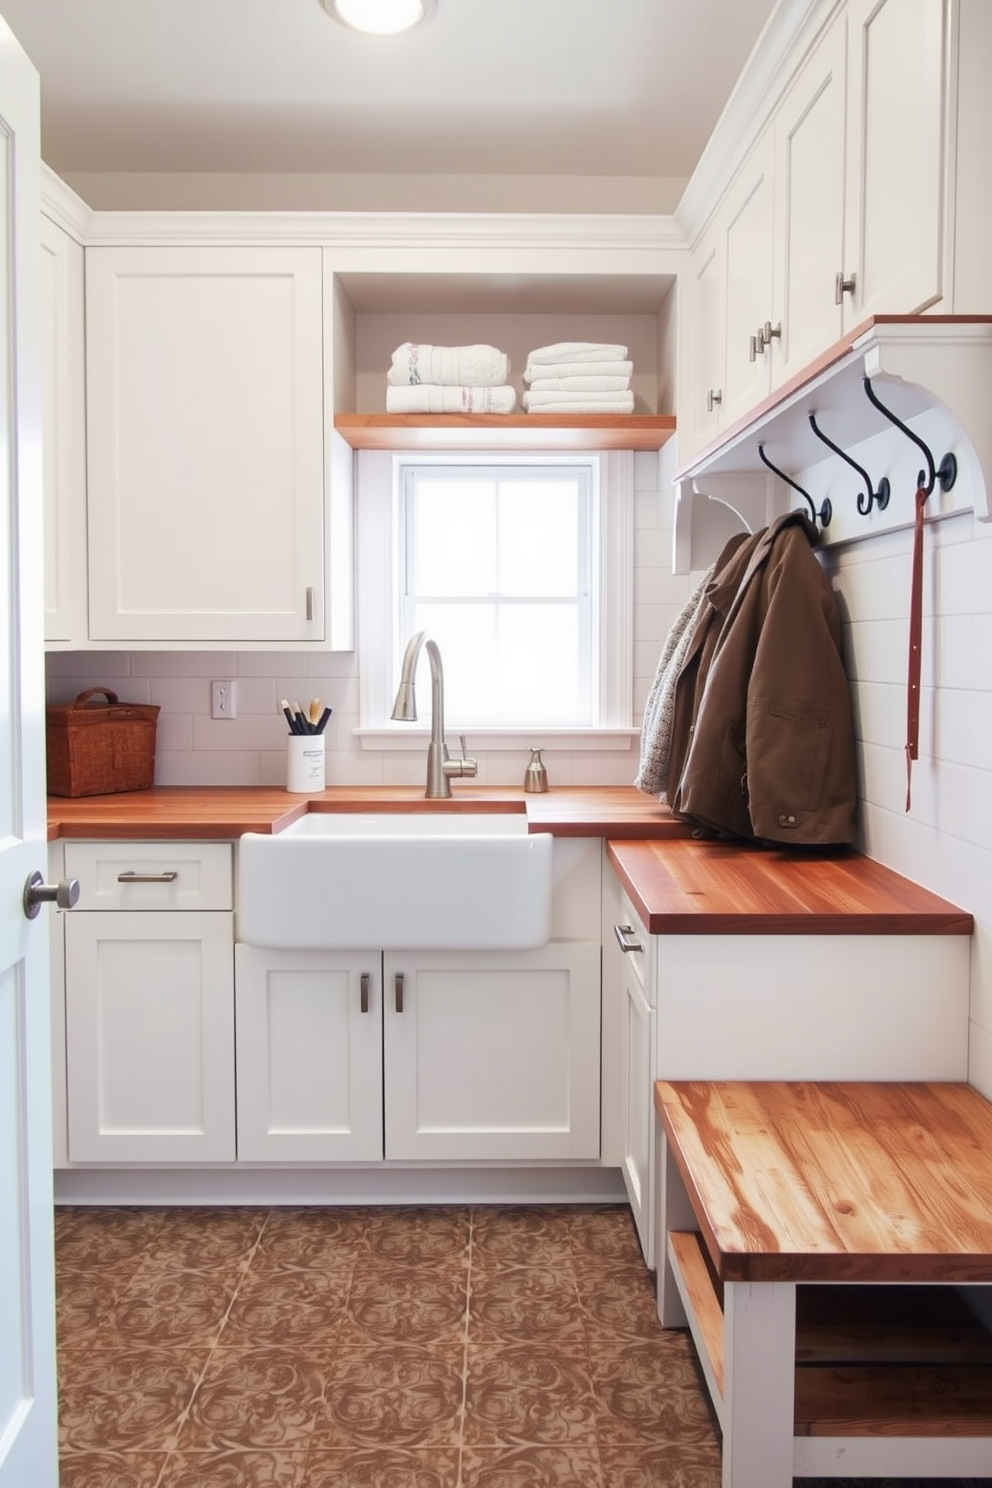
(224, 812)
(690, 887)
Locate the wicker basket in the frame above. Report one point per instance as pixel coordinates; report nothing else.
(96, 749)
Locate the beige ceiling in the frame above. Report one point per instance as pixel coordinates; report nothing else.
(524, 88)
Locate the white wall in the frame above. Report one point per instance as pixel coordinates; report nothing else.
(945, 841)
(193, 749)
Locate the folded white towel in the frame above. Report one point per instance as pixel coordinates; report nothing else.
(429, 397)
(580, 384)
(450, 366)
(616, 403)
(578, 351)
(566, 395)
(534, 370)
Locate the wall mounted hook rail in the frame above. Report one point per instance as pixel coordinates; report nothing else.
(869, 497)
(826, 510)
(946, 473)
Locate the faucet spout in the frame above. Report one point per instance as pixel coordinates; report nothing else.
(440, 767)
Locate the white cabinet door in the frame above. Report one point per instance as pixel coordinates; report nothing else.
(637, 1051)
(895, 166)
(150, 1037)
(63, 434)
(205, 444)
(702, 418)
(493, 1055)
(748, 232)
(309, 1055)
(809, 209)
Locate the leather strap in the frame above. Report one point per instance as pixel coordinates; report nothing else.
(915, 645)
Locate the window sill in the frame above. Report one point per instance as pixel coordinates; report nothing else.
(404, 739)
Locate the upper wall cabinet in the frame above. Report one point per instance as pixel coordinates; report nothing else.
(897, 51)
(63, 433)
(836, 213)
(205, 444)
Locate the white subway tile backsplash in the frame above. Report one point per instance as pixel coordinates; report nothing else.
(183, 663)
(199, 767)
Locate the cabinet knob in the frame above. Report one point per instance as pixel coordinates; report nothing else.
(713, 399)
(622, 932)
(843, 286)
(770, 333)
(36, 893)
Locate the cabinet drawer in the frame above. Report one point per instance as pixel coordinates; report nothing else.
(151, 875)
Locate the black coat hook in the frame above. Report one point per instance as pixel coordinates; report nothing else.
(826, 510)
(946, 473)
(869, 497)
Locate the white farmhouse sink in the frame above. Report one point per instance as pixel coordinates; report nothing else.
(395, 882)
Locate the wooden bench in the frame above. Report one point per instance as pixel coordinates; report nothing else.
(816, 1236)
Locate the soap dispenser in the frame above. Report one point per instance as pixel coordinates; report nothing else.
(535, 775)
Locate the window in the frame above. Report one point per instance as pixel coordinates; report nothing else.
(519, 568)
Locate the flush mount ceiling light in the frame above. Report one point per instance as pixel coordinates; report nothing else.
(380, 17)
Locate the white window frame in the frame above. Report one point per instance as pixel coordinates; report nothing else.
(380, 646)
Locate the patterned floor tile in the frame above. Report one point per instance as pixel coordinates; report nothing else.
(201, 1239)
(110, 1469)
(298, 1307)
(682, 1465)
(235, 1469)
(617, 1302)
(170, 1309)
(124, 1400)
(311, 1239)
(605, 1234)
(532, 1467)
(415, 1237)
(650, 1393)
(529, 1394)
(405, 1306)
(261, 1398)
(392, 1397)
(524, 1235)
(383, 1468)
(520, 1304)
(84, 1300)
(93, 1239)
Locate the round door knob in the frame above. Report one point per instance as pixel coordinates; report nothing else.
(37, 892)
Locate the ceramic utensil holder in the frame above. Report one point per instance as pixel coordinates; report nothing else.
(305, 763)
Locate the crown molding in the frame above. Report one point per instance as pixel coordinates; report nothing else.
(647, 233)
(783, 44)
(63, 206)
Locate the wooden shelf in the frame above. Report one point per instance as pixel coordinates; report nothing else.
(527, 431)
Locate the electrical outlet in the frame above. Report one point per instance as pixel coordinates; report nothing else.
(223, 703)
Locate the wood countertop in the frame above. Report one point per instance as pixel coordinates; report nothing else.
(836, 1181)
(225, 812)
(689, 887)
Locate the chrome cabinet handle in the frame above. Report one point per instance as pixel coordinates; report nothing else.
(399, 991)
(753, 351)
(132, 878)
(770, 333)
(309, 598)
(621, 932)
(365, 984)
(713, 398)
(36, 893)
(843, 286)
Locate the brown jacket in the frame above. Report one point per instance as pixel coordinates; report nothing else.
(763, 744)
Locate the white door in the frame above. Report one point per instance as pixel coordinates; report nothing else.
(28, 1450)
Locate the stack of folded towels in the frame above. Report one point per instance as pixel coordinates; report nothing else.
(579, 377)
(449, 379)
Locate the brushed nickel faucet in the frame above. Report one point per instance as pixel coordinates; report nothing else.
(440, 767)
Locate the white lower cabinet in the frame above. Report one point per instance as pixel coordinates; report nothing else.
(149, 1003)
(425, 1056)
(150, 1037)
(309, 1055)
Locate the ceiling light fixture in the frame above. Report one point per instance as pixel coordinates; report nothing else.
(380, 17)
